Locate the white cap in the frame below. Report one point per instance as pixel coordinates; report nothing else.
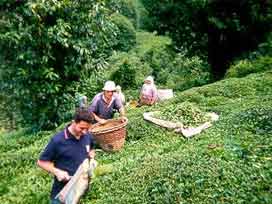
(118, 88)
(84, 97)
(149, 78)
(109, 86)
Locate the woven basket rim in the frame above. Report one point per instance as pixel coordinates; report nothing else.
(110, 129)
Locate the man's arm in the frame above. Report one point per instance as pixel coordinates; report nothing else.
(121, 109)
(122, 114)
(93, 109)
(92, 154)
(49, 167)
(98, 119)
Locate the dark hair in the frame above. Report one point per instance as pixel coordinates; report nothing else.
(82, 114)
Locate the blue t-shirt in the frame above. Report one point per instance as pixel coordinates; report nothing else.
(67, 153)
(102, 109)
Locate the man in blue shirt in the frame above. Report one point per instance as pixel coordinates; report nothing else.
(67, 150)
(105, 103)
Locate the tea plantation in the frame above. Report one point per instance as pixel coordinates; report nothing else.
(230, 162)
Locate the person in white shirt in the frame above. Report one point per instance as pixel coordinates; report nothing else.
(120, 94)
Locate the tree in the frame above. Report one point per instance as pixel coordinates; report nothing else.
(218, 29)
(235, 27)
(46, 46)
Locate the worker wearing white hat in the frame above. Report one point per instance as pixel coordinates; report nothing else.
(104, 104)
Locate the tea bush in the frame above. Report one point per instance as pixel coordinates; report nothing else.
(185, 73)
(168, 68)
(255, 61)
(245, 67)
(257, 120)
(156, 51)
(240, 68)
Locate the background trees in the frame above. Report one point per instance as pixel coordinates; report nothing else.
(48, 46)
(52, 51)
(221, 30)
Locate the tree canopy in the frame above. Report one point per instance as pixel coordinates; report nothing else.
(48, 46)
(218, 29)
(51, 49)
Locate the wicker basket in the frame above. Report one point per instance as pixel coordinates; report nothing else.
(111, 135)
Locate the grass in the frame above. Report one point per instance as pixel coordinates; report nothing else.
(229, 162)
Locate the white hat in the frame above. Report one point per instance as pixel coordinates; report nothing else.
(149, 78)
(84, 97)
(118, 88)
(109, 86)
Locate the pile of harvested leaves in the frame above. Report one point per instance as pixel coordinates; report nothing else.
(189, 114)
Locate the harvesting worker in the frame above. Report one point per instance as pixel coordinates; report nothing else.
(149, 93)
(105, 103)
(67, 150)
(83, 103)
(120, 94)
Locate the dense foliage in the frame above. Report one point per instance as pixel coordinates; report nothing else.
(257, 61)
(186, 72)
(127, 69)
(125, 76)
(221, 30)
(132, 9)
(154, 55)
(126, 35)
(50, 45)
(51, 56)
(244, 67)
(130, 69)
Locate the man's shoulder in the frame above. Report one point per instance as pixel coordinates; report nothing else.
(58, 137)
(97, 97)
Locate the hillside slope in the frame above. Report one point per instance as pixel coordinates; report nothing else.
(228, 163)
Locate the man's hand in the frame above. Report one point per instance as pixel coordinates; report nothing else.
(123, 119)
(102, 121)
(122, 114)
(92, 153)
(61, 175)
(98, 119)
